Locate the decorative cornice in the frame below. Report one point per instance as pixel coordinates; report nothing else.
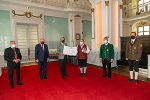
(106, 3)
(77, 16)
(121, 6)
(70, 20)
(92, 9)
(27, 14)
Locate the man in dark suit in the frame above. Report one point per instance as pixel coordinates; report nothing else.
(41, 57)
(106, 56)
(13, 57)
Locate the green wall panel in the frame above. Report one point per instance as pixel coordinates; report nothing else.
(87, 32)
(5, 29)
(55, 27)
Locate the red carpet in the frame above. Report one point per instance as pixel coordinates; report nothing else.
(73, 87)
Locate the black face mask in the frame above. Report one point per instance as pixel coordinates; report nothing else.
(42, 42)
(132, 37)
(63, 41)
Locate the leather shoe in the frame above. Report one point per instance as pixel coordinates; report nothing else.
(11, 87)
(45, 78)
(104, 76)
(136, 81)
(63, 77)
(85, 74)
(81, 74)
(18, 83)
(130, 80)
(66, 75)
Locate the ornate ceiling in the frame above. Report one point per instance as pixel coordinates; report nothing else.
(72, 4)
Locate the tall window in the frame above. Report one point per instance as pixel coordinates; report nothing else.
(144, 5)
(143, 30)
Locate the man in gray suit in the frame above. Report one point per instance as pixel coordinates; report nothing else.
(62, 57)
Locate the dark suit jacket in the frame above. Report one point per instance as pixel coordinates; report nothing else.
(9, 55)
(39, 54)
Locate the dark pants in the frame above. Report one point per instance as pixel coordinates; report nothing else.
(133, 64)
(42, 66)
(63, 66)
(108, 63)
(82, 62)
(11, 68)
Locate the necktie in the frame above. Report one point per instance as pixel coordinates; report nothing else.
(42, 47)
(15, 53)
(132, 42)
(105, 51)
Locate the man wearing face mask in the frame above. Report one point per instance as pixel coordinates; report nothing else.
(13, 57)
(42, 57)
(83, 50)
(62, 57)
(133, 55)
(106, 56)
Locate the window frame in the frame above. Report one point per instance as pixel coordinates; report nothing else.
(143, 30)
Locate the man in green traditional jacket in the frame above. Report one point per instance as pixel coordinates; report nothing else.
(62, 57)
(106, 56)
(133, 55)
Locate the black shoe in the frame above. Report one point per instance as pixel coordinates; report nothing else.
(81, 74)
(85, 74)
(130, 80)
(45, 78)
(136, 81)
(18, 83)
(11, 87)
(104, 76)
(63, 77)
(66, 75)
(109, 76)
(41, 79)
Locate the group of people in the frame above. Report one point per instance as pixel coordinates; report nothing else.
(133, 54)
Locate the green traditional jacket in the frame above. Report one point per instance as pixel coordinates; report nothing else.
(60, 49)
(109, 51)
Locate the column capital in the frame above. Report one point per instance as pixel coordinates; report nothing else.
(92, 9)
(106, 3)
(70, 20)
(121, 6)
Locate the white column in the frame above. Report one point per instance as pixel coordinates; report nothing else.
(93, 23)
(120, 28)
(110, 21)
(120, 18)
(148, 67)
(107, 17)
(93, 40)
(71, 30)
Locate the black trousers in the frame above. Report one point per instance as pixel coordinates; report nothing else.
(42, 66)
(133, 64)
(11, 67)
(82, 62)
(108, 63)
(63, 66)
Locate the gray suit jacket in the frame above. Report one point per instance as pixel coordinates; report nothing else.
(60, 49)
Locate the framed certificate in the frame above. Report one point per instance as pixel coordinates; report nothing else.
(71, 51)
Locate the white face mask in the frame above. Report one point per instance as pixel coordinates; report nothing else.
(105, 41)
(81, 43)
(13, 46)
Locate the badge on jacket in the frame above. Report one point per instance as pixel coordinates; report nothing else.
(134, 47)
